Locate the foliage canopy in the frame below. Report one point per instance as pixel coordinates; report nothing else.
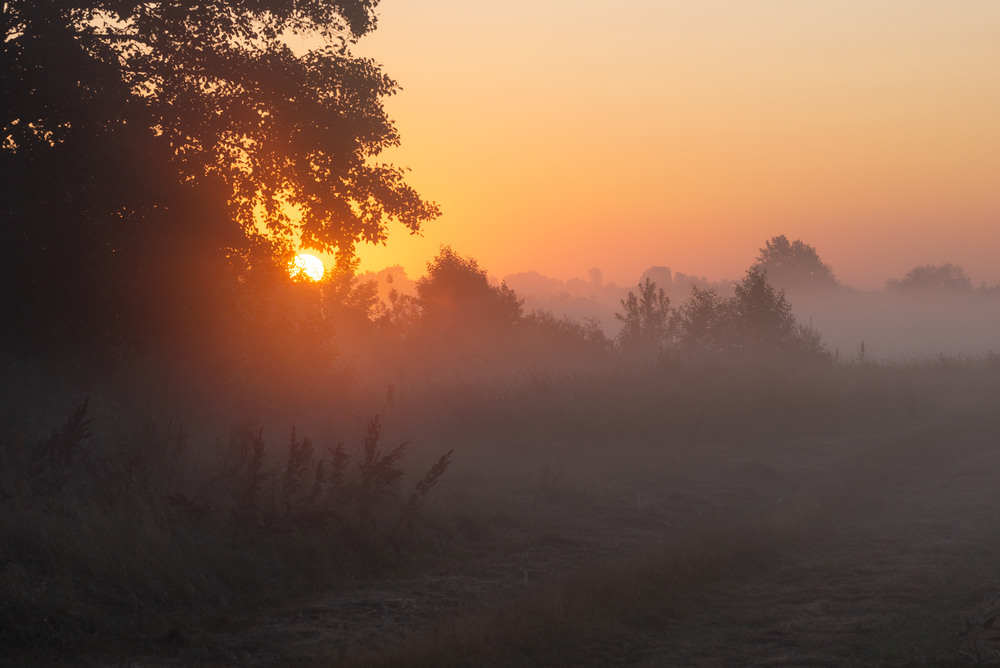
(456, 293)
(794, 264)
(146, 145)
(933, 278)
(228, 89)
(647, 320)
(755, 324)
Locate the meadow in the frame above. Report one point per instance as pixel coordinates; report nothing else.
(617, 514)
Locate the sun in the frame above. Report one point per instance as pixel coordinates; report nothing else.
(307, 266)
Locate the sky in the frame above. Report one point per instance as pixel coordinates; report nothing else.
(561, 135)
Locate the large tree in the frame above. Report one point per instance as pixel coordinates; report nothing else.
(180, 132)
(229, 88)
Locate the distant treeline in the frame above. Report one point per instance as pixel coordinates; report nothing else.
(897, 318)
(457, 318)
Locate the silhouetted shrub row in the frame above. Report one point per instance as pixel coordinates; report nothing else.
(756, 323)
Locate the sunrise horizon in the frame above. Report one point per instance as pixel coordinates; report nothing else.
(422, 251)
(686, 136)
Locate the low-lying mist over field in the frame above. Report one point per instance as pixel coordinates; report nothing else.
(379, 471)
(900, 327)
(224, 444)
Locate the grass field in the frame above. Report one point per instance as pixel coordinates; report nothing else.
(830, 515)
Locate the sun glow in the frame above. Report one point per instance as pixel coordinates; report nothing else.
(306, 266)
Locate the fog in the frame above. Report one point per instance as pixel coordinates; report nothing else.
(904, 327)
(576, 475)
(209, 459)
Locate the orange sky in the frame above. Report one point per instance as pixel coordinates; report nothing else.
(559, 135)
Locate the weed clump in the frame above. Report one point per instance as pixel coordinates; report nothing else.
(315, 491)
(99, 543)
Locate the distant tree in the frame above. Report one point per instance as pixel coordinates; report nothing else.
(704, 324)
(756, 323)
(457, 295)
(402, 315)
(764, 315)
(549, 337)
(647, 320)
(662, 276)
(350, 306)
(794, 265)
(933, 278)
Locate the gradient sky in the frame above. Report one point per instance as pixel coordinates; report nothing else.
(559, 135)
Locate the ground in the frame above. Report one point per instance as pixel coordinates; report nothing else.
(853, 547)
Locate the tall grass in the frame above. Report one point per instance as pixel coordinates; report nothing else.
(102, 542)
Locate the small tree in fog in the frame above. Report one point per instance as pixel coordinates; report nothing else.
(456, 294)
(794, 264)
(704, 324)
(648, 320)
(350, 305)
(933, 278)
(544, 336)
(402, 315)
(764, 315)
(755, 323)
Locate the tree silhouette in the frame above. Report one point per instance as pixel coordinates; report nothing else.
(647, 319)
(933, 278)
(755, 324)
(794, 264)
(221, 89)
(350, 305)
(144, 144)
(704, 324)
(455, 295)
(764, 316)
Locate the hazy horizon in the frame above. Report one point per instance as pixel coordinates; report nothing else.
(628, 278)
